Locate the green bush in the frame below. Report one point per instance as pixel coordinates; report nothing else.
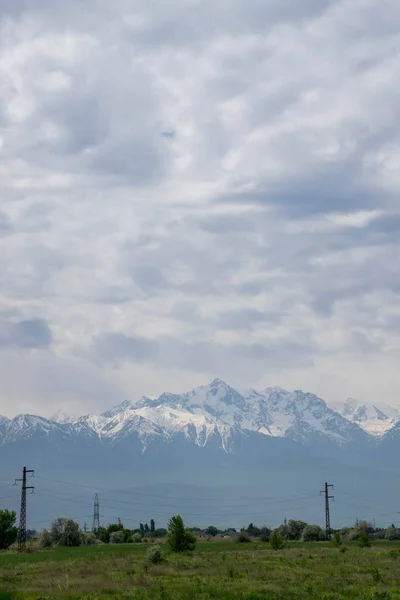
(313, 533)
(337, 540)
(243, 537)
(44, 539)
(392, 533)
(277, 541)
(65, 532)
(363, 540)
(265, 534)
(154, 554)
(117, 537)
(88, 539)
(136, 538)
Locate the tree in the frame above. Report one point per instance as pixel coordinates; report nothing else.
(88, 538)
(160, 532)
(253, 531)
(105, 532)
(283, 531)
(265, 534)
(295, 529)
(152, 526)
(392, 533)
(44, 539)
(179, 538)
(277, 540)
(211, 530)
(141, 527)
(313, 533)
(65, 532)
(8, 531)
(117, 537)
(243, 537)
(146, 528)
(361, 527)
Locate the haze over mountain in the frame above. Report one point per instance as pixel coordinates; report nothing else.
(216, 441)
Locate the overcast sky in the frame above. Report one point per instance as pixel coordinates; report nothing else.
(195, 189)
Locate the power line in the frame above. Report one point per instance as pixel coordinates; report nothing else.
(163, 505)
(221, 513)
(163, 496)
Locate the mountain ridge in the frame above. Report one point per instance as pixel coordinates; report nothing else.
(215, 411)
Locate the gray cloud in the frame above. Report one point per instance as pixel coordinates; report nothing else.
(260, 241)
(31, 333)
(118, 346)
(202, 356)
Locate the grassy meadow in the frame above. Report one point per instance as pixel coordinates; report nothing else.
(215, 570)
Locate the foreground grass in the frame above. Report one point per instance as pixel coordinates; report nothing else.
(216, 570)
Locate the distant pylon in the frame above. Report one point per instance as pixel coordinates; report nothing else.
(22, 514)
(96, 515)
(325, 492)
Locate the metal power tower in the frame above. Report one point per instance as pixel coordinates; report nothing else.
(327, 515)
(22, 515)
(96, 515)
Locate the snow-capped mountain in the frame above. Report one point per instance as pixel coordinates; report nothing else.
(376, 421)
(23, 427)
(215, 412)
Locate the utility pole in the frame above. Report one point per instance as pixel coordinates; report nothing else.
(96, 516)
(22, 514)
(327, 515)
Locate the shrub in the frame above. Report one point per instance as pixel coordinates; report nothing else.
(392, 533)
(294, 529)
(243, 537)
(337, 540)
(154, 554)
(65, 532)
(253, 531)
(136, 538)
(88, 539)
(363, 540)
(265, 534)
(313, 533)
(117, 537)
(277, 540)
(179, 538)
(44, 539)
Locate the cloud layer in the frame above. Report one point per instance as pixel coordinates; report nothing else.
(195, 189)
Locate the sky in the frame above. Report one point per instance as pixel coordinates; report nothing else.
(195, 189)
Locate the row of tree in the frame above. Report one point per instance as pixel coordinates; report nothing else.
(66, 532)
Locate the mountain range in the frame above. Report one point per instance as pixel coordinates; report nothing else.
(214, 438)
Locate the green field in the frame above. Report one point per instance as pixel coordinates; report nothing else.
(216, 570)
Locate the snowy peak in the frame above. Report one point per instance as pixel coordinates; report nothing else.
(300, 416)
(26, 426)
(375, 421)
(215, 412)
(126, 406)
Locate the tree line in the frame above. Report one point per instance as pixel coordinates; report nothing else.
(67, 532)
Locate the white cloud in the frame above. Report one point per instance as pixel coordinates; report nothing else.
(256, 241)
